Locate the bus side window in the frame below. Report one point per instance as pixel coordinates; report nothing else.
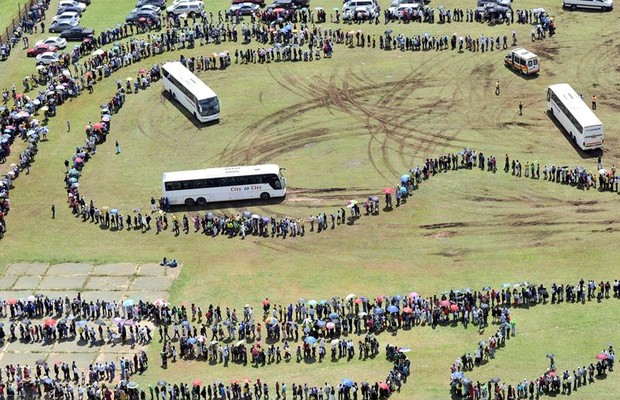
(529, 63)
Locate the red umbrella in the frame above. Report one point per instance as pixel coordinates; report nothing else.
(247, 380)
(383, 385)
(388, 190)
(98, 125)
(234, 381)
(407, 310)
(602, 356)
(50, 322)
(444, 303)
(12, 300)
(454, 307)
(358, 301)
(552, 373)
(197, 382)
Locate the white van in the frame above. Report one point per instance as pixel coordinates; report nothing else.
(187, 7)
(603, 5)
(355, 5)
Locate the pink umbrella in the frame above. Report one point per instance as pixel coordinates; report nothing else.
(454, 307)
(444, 303)
(602, 356)
(380, 298)
(79, 160)
(413, 295)
(330, 325)
(407, 310)
(160, 303)
(358, 301)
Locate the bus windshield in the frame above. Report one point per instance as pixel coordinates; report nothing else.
(209, 106)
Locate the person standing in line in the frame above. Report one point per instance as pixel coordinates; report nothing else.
(520, 108)
(68, 126)
(594, 102)
(497, 88)
(53, 211)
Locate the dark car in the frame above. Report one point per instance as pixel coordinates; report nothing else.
(56, 27)
(158, 3)
(259, 2)
(40, 49)
(143, 16)
(69, 9)
(77, 33)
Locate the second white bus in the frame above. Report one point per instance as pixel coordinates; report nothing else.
(223, 184)
(581, 124)
(186, 88)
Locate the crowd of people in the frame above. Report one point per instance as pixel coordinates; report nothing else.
(312, 326)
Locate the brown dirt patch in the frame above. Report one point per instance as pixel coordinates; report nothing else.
(441, 235)
(444, 225)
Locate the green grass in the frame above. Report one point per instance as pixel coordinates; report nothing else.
(358, 121)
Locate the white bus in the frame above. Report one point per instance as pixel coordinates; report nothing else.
(223, 184)
(191, 92)
(582, 126)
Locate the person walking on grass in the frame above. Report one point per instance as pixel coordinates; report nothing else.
(118, 148)
(497, 88)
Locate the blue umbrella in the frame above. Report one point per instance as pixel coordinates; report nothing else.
(334, 315)
(307, 330)
(403, 190)
(128, 303)
(191, 340)
(404, 178)
(392, 309)
(457, 375)
(378, 311)
(310, 340)
(185, 324)
(347, 382)
(82, 323)
(114, 211)
(398, 297)
(321, 323)
(48, 380)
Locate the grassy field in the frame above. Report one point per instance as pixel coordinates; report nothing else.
(357, 122)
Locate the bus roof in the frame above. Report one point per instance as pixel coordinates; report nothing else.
(221, 172)
(524, 53)
(575, 104)
(189, 80)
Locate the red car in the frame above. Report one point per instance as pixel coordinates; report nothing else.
(40, 49)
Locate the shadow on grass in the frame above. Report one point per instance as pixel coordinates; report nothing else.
(199, 125)
(582, 153)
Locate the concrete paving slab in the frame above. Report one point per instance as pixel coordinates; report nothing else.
(62, 282)
(18, 294)
(115, 269)
(53, 294)
(29, 358)
(159, 283)
(147, 295)
(174, 272)
(152, 269)
(20, 269)
(107, 283)
(27, 283)
(7, 282)
(82, 360)
(70, 269)
(107, 295)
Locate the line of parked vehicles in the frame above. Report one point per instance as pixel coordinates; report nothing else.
(66, 23)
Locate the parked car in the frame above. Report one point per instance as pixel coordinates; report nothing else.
(40, 49)
(72, 9)
(55, 41)
(284, 4)
(603, 5)
(260, 3)
(68, 17)
(87, 2)
(77, 33)
(58, 27)
(47, 58)
(403, 9)
(190, 8)
(143, 16)
(246, 8)
(65, 3)
(158, 3)
(504, 3)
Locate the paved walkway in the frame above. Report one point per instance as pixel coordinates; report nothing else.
(104, 281)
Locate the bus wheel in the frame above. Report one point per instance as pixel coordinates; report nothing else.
(189, 202)
(201, 201)
(264, 196)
